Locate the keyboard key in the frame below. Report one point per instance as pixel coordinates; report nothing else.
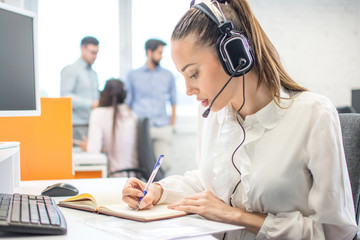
(34, 213)
(44, 219)
(40, 198)
(25, 218)
(24, 198)
(6, 200)
(16, 197)
(53, 215)
(3, 215)
(15, 212)
(48, 201)
(32, 197)
(4, 208)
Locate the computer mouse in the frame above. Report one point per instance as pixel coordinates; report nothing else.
(60, 189)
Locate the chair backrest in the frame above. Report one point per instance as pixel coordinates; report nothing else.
(350, 125)
(346, 109)
(146, 156)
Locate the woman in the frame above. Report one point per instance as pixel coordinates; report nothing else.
(273, 163)
(112, 128)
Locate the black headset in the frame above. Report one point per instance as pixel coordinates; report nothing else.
(233, 47)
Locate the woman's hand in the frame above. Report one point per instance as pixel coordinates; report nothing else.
(207, 205)
(133, 190)
(82, 144)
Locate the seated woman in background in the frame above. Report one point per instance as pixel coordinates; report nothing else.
(112, 128)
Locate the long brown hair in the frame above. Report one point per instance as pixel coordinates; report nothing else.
(267, 62)
(113, 94)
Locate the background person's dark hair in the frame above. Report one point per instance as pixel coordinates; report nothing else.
(153, 44)
(113, 94)
(89, 40)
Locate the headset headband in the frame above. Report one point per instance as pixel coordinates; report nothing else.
(212, 10)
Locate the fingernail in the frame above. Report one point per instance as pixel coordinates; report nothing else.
(140, 195)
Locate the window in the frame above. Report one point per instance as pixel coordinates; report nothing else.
(61, 26)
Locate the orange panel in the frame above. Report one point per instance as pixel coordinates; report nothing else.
(45, 141)
(88, 174)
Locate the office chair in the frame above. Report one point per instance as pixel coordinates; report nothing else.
(145, 154)
(346, 109)
(350, 126)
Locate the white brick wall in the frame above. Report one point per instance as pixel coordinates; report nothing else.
(318, 42)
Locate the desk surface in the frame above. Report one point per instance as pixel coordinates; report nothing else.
(80, 157)
(77, 221)
(6, 152)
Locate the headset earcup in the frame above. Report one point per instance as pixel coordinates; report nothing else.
(231, 48)
(220, 50)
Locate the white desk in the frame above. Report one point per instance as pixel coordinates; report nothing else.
(78, 221)
(84, 161)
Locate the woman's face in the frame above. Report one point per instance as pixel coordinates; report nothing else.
(203, 73)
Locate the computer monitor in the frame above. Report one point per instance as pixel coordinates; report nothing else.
(355, 99)
(19, 90)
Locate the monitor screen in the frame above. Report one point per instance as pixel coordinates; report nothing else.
(19, 91)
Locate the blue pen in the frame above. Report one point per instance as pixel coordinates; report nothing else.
(151, 178)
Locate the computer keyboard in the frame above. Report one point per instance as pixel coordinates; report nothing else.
(25, 213)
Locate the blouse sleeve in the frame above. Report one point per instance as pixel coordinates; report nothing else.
(95, 136)
(330, 196)
(177, 187)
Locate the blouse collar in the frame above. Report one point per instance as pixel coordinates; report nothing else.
(268, 116)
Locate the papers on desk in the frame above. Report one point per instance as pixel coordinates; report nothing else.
(187, 226)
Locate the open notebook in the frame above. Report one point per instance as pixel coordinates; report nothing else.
(112, 204)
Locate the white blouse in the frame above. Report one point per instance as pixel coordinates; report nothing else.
(123, 155)
(292, 166)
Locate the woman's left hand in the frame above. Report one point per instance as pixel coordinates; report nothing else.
(207, 205)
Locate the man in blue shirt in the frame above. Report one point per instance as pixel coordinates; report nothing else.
(149, 89)
(80, 82)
